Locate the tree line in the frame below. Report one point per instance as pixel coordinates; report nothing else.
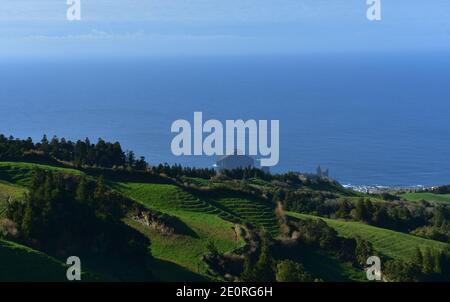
(79, 153)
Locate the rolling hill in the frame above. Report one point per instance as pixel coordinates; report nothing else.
(445, 198)
(20, 263)
(210, 217)
(390, 243)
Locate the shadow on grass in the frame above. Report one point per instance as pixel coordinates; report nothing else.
(329, 269)
(167, 271)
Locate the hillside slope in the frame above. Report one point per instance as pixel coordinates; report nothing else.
(20, 263)
(203, 219)
(209, 215)
(445, 198)
(390, 243)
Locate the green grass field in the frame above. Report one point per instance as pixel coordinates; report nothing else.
(202, 218)
(390, 243)
(426, 196)
(256, 213)
(185, 251)
(20, 173)
(25, 264)
(169, 198)
(9, 192)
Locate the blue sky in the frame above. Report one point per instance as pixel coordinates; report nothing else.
(165, 27)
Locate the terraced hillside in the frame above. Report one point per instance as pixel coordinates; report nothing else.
(180, 253)
(257, 213)
(171, 198)
(391, 243)
(210, 217)
(202, 218)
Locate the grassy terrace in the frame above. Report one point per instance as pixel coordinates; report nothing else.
(390, 243)
(202, 218)
(171, 198)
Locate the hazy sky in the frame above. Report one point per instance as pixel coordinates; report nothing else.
(155, 27)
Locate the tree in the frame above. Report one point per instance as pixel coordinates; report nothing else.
(417, 258)
(100, 188)
(248, 273)
(130, 158)
(44, 144)
(370, 209)
(54, 219)
(290, 271)
(361, 212)
(381, 217)
(264, 266)
(398, 271)
(363, 251)
(212, 249)
(263, 269)
(344, 208)
(141, 164)
(428, 261)
(27, 222)
(82, 191)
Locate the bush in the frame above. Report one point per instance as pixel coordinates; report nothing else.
(290, 271)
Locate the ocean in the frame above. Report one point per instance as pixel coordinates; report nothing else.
(371, 119)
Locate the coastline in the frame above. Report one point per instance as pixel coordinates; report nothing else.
(377, 189)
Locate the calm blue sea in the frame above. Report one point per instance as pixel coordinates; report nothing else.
(372, 120)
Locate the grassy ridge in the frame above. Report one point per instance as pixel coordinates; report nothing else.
(25, 264)
(175, 256)
(20, 173)
(426, 196)
(171, 198)
(211, 219)
(390, 243)
(20, 263)
(258, 214)
(185, 251)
